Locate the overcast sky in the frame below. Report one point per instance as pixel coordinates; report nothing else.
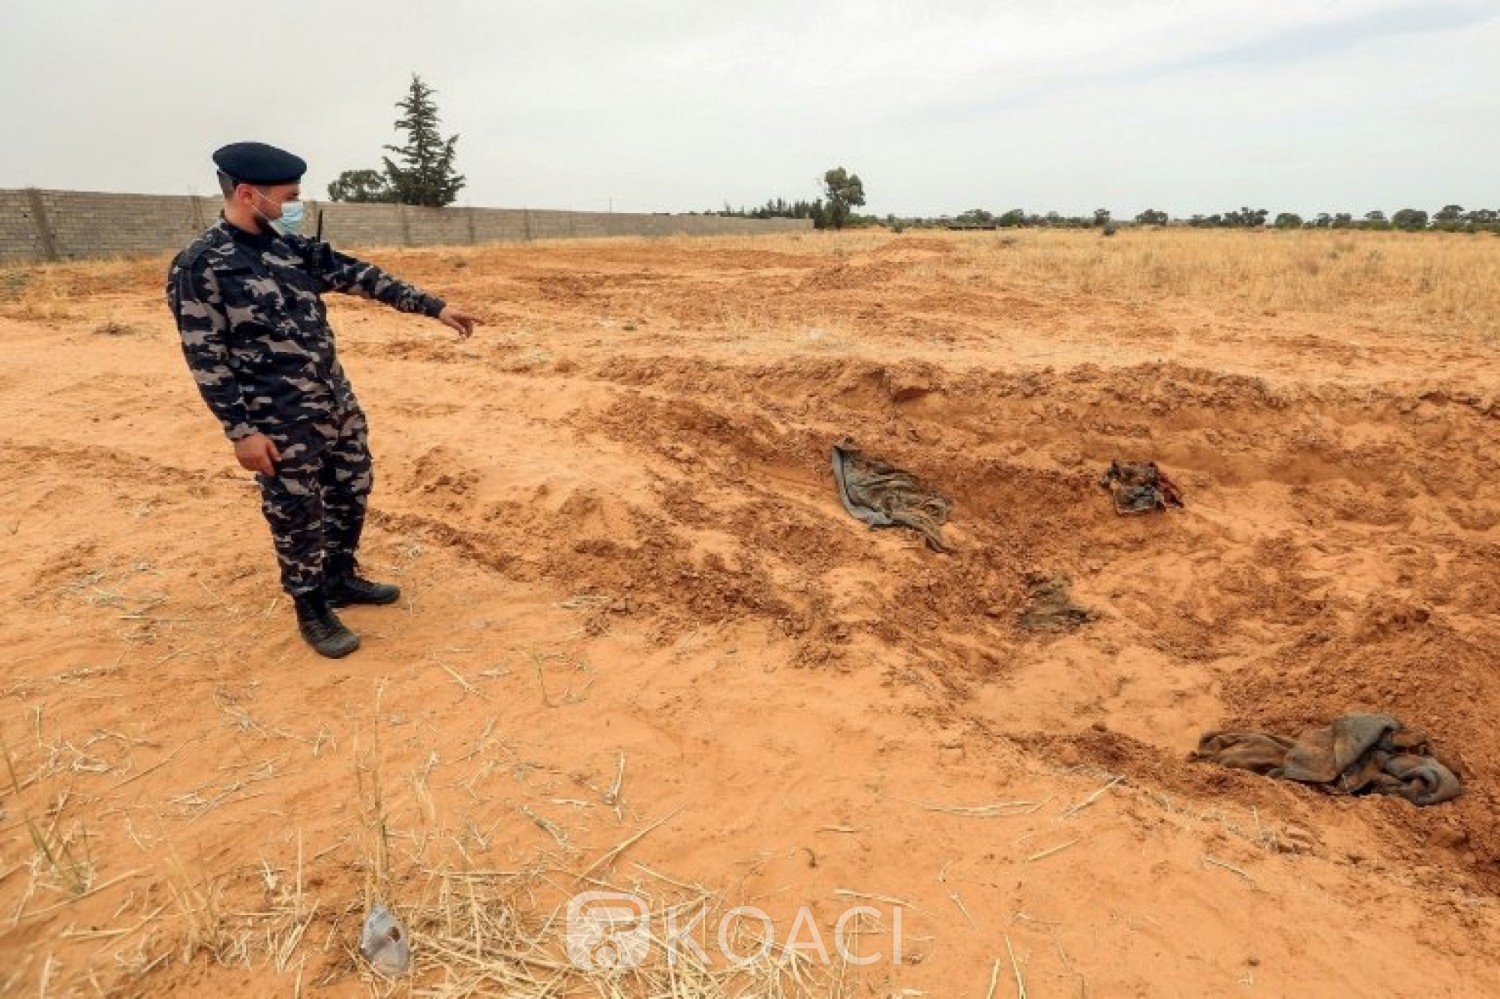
(1300, 105)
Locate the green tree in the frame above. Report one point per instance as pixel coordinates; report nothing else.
(1289, 220)
(781, 208)
(1450, 218)
(1101, 217)
(1410, 218)
(844, 191)
(975, 216)
(360, 185)
(1014, 217)
(1152, 216)
(425, 175)
(1246, 217)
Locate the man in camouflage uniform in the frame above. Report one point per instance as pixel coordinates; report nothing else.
(247, 297)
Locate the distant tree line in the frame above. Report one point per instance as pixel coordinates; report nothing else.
(1017, 218)
(842, 193)
(1451, 218)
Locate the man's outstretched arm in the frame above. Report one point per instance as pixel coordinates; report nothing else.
(343, 273)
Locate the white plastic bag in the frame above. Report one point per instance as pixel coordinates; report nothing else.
(384, 942)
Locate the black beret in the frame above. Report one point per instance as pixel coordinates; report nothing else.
(258, 163)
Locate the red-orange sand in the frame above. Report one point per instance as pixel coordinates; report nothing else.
(613, 519)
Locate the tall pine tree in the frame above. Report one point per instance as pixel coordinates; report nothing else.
(426, 175)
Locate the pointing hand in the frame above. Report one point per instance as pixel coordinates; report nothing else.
(463, 322)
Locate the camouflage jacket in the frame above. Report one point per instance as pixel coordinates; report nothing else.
(254, 329)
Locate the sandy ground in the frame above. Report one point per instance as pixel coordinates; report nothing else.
(612, 515)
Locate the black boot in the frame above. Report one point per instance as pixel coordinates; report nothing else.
(346, 586)
(356, 590)
(321, 627)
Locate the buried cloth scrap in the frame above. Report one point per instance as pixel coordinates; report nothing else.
(1139, 487)
(1357, 754)
(883, 496)
(1051, 607)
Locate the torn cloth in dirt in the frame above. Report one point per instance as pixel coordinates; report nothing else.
(1139, 487)
(1357, 754)
(882, 496)
(1051, 607)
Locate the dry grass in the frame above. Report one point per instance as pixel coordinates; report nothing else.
(41, 284)
(1446, 281)
(60, 860)
(1426, 277)
(478, 932)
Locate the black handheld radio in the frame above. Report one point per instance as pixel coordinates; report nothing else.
(317, 255)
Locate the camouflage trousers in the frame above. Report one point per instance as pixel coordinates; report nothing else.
(315, 503)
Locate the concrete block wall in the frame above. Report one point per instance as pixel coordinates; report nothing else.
(72, 225)
(19, 235)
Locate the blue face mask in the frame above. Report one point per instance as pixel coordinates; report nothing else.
(290, 220)
(292, 213)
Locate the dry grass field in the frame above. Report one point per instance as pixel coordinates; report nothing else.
(642, 648)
